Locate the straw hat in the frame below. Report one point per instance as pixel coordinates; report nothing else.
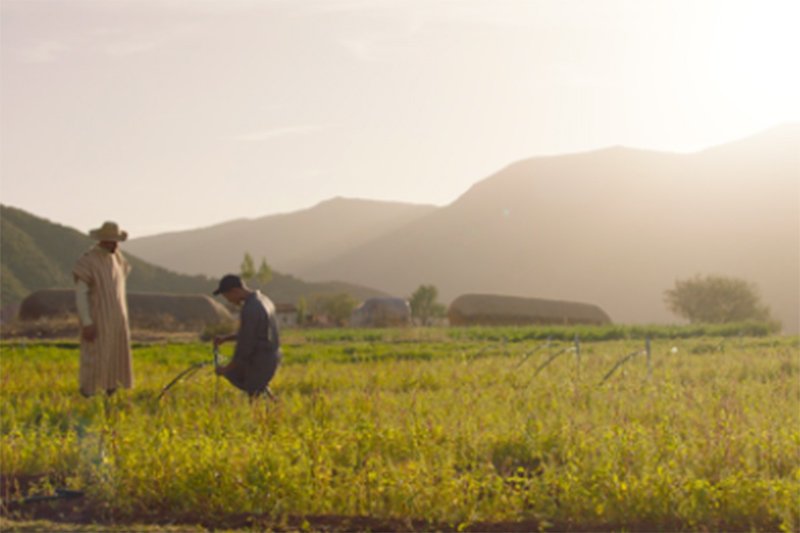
(109, 232)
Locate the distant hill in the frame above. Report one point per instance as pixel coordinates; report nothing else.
(613, 227)
(287, 241)
(38, 254)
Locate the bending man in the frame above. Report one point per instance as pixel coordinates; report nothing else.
(257, 353)
(100, 275)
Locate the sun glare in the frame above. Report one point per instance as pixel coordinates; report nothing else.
(752, 59)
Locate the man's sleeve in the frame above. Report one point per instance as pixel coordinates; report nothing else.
(82, 271)
(82, 303)
(247, 336)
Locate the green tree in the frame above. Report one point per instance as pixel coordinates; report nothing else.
(337, 307)
(264, 274)
(248, 268)
(716, 299)
(424, 306)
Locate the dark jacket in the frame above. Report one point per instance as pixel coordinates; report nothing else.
(257, 352)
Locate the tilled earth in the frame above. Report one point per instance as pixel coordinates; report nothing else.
(76, 512)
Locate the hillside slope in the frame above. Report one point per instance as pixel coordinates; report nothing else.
(287, 241)
(614, 227)
(38, 254)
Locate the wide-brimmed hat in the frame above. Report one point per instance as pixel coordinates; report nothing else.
(108, 232)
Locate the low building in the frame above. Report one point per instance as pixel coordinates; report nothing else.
(146, 310)
(492, 310)
(286, 314)
(381, 312)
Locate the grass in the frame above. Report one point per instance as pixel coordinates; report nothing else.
(449, 425)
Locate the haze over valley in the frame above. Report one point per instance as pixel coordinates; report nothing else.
(615, 227)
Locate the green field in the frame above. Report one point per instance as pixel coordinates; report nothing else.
(422, 429)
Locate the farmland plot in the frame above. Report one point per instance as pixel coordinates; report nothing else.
(420, 430)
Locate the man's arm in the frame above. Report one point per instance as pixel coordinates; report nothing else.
(88, 329)
(223, 369)
(82, 274)
(220, 340)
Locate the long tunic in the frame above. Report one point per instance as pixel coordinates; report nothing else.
(257, 354)
(106, 362)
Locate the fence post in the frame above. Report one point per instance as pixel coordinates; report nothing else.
(649, 357)
(578, 353)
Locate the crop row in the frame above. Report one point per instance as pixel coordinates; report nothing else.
(456, 431)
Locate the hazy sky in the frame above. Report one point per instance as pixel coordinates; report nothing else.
(176, 114)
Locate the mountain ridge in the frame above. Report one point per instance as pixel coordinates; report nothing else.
(614, 226)
(40, 254)
(594, 214)
(323, 228)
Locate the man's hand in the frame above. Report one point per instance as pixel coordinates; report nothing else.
(219, 340)
(89, 333)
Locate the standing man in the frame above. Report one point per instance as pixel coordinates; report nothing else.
(257, 353)
(100, 274)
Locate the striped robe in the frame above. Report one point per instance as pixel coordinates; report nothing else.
(106, 362)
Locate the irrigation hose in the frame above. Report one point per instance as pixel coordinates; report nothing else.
(551, 359)
(189, 372)
(527, 354)
(620, 363)
(186, 373)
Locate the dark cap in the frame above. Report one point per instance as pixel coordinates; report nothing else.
(228, 282)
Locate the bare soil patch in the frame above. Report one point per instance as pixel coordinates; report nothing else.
(75, 513)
